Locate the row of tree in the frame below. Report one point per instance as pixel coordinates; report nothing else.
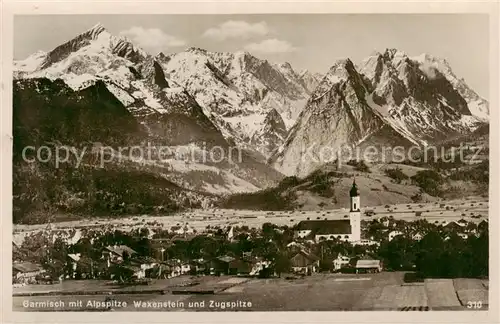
(440, 253)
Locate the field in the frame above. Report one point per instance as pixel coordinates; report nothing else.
(441, 212)
(320, 292)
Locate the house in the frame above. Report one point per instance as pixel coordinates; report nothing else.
(461, 235)
(183, 238)
(140, 266)
(26, 272)
(368, 266)
(135, 271)
(186, 229)
(341, 261)
(247, 266)
(304, 263)
(483, 225)
(296, 245)
(417, 236)
(117, 253)
(199, 266)
(145, 262)
(221, 265)
(365, 242)
(393, 234)
(240, 267)
(369, 212)
(74, 258)
(259, 264)
(176, 267)
(454, 227)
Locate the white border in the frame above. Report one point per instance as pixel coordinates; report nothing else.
(11, 8)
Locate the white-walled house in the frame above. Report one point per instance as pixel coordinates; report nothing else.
(341, 261)
(417, 236)
(301, 233)
(393, 234)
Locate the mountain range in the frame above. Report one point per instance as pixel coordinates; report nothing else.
(389, 100)
(195, 100)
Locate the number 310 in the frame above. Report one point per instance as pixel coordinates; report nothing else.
(474, 304)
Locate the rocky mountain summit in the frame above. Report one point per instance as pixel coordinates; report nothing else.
(390, 100)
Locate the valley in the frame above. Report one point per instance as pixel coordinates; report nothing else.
(471, 209)
(105, 93)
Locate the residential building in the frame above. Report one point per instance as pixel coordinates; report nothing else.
(369, 266)
(417, 236)
(26, 272)
(116, 253)
(186, 229)
(304, 263)
(393, 234)
(341, 261)
(454, 227)
(74, 262)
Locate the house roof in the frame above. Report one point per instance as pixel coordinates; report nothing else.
(326, 227)
(226, 258)
(453, 225)
(26, 267)
(367, 263)
(484, 222)
(74, 257)
(303, 259)
(145, 259)
(132, 268)
(241, 265)
(119, 249)
(183, 237)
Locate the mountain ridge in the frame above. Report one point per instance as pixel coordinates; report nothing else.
(265, 108)
(390, 99)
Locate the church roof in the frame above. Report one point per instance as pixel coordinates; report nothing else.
(326, 227)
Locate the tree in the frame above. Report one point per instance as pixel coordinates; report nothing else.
(121, 273)
(397, 174)
(125, 256)
(143, 246)
(429, 181)
(282, 264)
(429, 255)
(325, 264)
(398, 254)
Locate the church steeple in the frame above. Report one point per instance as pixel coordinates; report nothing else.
(354, 189)
(355, 212)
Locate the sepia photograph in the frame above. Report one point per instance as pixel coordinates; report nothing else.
(250, 162)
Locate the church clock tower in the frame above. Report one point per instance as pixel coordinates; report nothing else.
(355, 212)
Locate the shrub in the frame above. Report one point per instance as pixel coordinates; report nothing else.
(429, 181)
(396, 174)
(359, 165)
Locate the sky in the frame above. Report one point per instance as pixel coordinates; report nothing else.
(306, 41)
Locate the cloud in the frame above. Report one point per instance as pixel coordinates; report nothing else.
(152, 39)
(271, 46)
(237, 29)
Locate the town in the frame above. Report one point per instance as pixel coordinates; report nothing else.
(140, 257)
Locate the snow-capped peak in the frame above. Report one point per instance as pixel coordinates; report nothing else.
(96, 30)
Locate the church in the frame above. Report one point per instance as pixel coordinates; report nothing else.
(342, 229)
